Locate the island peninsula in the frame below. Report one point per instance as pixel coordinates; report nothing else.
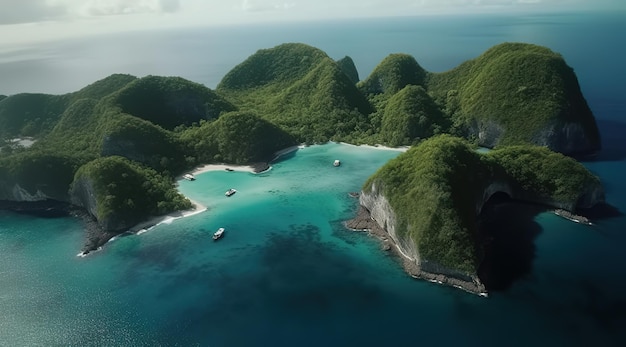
(114, 148)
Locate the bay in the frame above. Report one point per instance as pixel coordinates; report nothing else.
(287, 273)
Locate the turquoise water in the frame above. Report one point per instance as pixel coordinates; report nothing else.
(287, 273)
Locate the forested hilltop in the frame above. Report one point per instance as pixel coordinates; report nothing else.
(115, 146)
(429, 198)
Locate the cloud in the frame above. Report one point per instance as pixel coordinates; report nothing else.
(263, 5)
(20, 11)
(121, 7)
(29, 11)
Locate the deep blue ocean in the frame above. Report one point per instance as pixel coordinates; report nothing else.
(287, 273)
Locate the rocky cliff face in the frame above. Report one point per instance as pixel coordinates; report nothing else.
(385, 217)
(82, 194)
(381, 211)
(592, 195)
(15, 192)
(569, 138)
(488, 133)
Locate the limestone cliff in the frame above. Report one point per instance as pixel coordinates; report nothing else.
(15, 192)
(429, 199)
(375, 202)
(83, 194)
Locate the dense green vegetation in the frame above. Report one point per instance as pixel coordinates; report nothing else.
(434, 189)
(237, 137)
(392, 74)
(301, 90)
(103, 87)
(411, 115)
(40, 170)
(294, 93)
(521, 87)
(170, 101)
(129, 191)
(545, 173)
(76, 132)
(30, 114)
(346, 64)
(431, 193)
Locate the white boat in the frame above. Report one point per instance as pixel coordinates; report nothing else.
(337, 162)
(189, 177)
(230, 192)
(219, 233)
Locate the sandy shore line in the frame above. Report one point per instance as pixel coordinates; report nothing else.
(399, 149)
(286, 151)
(220, 167)
(101, 238)
(168, 218)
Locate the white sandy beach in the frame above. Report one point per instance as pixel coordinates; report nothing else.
(399, 149)
(221, 167)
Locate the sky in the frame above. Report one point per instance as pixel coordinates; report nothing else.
(23, 21)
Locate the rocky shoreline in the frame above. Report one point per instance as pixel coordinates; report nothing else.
(95, 236)
(572, 217)
(364, 222)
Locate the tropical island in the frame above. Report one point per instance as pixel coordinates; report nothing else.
(113, 150)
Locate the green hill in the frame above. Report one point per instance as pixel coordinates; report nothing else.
(518, 93)
(29, 114)
(169, 101)
(300, 89)
(437, 188)
(103, 87)
(392, 74)
(125, 192)
(411, 115)
(237, 137)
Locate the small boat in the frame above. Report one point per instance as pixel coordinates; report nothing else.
(219, 233)
(229, 169)
(189, 177)
(230, 192)
(337, 162)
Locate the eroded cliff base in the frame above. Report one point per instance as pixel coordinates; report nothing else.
(364, 222)
(95, 235)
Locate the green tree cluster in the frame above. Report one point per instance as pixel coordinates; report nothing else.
(129, 191)
(521, 87)
(434, 189)
(77, 131)
(237, 137)
(300, 89)
(170, 101)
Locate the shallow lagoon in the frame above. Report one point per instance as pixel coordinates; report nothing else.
(287, 273)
